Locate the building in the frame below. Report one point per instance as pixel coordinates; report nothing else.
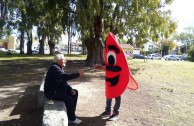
(8, 43)
(128, 49)
(150, 46)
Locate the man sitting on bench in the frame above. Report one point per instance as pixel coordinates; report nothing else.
(57, 88)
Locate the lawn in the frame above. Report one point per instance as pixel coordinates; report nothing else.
(172, 83)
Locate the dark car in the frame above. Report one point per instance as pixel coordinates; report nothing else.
(35, 51)
(139, 56)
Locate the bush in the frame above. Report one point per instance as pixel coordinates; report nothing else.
(191, 53)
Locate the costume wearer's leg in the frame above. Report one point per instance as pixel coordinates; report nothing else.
(117, 105)
(69, 102)
(107, 113)
(108, 104)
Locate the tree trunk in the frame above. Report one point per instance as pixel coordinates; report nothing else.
(84, 50)
(51, 44)
(89, 48)
(3, 16)
(29, 44)
(69, 39)
(41, 48)
(97, 54)
(89, 54)
(94, 52)
(29, 47)
(98, 57)
(22, 42)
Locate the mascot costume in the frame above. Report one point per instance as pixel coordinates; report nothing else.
(117, 72)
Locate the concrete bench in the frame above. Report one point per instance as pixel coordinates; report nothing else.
(54, 112)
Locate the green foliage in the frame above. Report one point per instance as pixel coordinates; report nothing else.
(4, 28)
(171, 45)
(140, 21)
(186, 37)
(191, 53)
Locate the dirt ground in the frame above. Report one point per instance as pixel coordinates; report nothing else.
(157, 102)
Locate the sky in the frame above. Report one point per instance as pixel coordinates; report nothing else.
(183, 13)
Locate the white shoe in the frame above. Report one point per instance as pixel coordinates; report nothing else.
(113, 117)
(77, 121)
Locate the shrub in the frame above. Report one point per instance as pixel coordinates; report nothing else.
(191, 53)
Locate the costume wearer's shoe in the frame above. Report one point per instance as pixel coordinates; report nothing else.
(105, 115)
(114, 117)
(76, 121)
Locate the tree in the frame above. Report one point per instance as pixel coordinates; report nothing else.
(52, 21)
(168, 45)
(46, 15)
(191, 53)
(16, 19)
(140, 21)
(90, 22)
(186, 37)
(5, 29)
(183, 49)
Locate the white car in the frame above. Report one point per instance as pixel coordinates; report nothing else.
(2, 49)
(171, 57)
(153, 56)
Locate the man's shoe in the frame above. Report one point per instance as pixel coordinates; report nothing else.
(76, 121)
(105, 115)
(113, 117)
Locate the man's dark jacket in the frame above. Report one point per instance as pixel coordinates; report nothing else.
(56, 81)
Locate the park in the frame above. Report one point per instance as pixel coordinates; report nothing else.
(158, 54)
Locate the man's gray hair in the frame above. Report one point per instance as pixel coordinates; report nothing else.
(58, 57)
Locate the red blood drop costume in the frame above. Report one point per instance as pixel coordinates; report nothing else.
(117, 73)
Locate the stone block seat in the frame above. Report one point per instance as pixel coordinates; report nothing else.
(54, 112)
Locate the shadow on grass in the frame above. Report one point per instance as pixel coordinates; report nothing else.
(26, 108)
(22, 70)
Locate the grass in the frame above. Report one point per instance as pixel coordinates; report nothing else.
(172, 82)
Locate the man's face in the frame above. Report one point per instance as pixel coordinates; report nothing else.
(62, 62)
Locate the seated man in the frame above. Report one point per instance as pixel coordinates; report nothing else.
(57, 88)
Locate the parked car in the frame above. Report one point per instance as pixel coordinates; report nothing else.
(154, 56)
(139, 56)
(182, 57)
(35, 51)
(171, 57)
(2, 49)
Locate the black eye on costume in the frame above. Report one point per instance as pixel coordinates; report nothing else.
(111, 58)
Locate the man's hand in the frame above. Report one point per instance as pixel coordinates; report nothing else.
(100, 67)
(73, 92)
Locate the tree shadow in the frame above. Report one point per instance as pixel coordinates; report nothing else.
(27, 110)
(91, 121)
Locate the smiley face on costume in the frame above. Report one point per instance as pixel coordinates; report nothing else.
(117, 71)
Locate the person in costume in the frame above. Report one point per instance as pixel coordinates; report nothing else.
(117, 76)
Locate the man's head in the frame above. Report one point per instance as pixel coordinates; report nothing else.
(60, 59)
